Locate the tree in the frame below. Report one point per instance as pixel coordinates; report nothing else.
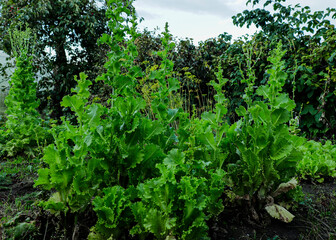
(67, 33)
(309, 38)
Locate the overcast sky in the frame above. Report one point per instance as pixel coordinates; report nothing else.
(203, 19)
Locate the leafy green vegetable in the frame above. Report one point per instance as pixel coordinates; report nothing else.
(178, 203)
(266, 153)
(318, 160)
(24, 129)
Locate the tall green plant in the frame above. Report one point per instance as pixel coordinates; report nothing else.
(180, 188)
(266, 153)
(120, 147)
(23, 129)
(112, 133)
(210, 132)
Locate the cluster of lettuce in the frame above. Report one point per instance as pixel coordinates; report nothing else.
(164, 174)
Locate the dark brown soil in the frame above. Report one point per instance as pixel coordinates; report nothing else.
(49, 226)
(10, 192)
(315, 218)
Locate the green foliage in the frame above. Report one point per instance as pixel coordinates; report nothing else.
(177, 204)
(66, 42)
(174, 205)
(265, 152)
(152, 170)
(21, 230)
(19, 219)
(318, 161)
(309, 39)
(309, 61)
(111, 210)
(116, 147)
(68, 167)
(119, 147)
(23, 129)
(18, 168)
(113, 151)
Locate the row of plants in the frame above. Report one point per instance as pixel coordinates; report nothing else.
(148, 167)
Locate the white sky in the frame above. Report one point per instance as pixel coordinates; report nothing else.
(203, 19)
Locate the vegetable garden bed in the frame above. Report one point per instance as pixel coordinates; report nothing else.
(141, 164)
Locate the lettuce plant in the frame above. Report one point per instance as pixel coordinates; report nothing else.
(105, 146)
(114, 214)
(265, 153)
(318, 161)
(174, 205)
(177, 204)
(207, 138)
(23, 129)
(162, 175)
(68, 170)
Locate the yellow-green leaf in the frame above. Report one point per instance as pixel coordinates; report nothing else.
(280, 213)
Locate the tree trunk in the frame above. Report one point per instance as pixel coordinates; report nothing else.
(59, 78)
